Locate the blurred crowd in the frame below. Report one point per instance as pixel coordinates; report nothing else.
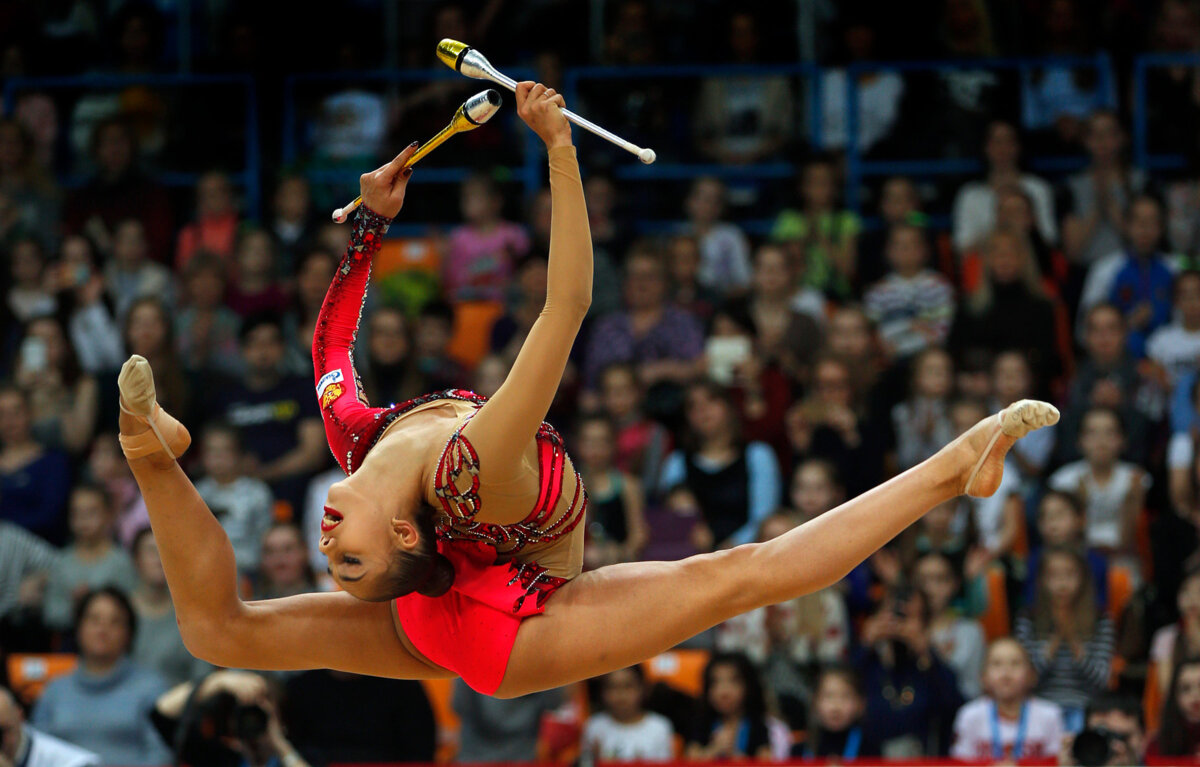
(769, 354)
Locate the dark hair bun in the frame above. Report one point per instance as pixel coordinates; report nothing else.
(439, 578)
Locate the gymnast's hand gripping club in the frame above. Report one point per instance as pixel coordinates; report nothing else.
(474, 112)
(465, 60)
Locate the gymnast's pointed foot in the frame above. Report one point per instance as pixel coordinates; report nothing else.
(985, 445)
(146, 428)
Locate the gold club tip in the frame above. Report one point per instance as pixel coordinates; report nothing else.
(449, 50)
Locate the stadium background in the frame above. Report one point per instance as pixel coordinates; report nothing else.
(868, 223)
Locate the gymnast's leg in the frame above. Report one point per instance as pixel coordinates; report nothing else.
(623, 614)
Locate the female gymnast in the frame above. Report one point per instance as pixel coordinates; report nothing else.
(456, 536)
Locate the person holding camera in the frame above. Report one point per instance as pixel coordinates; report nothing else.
(1114, 734)
(226, 719)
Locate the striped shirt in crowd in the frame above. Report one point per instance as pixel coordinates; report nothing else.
(896, 304)
(1064, 679)
(22, 554)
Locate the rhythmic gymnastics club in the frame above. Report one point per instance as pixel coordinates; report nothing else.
(465, 60)
(474, 112)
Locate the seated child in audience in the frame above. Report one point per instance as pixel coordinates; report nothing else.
(959, 640)
(1007, 723)
(1061, 521)
(733, 722)
(642, 443)
(922, 422)
(92, 560)
(243, 505)
(623, 730)
(1114, 490)
(815, 489)
(836, 731)
(254, 288)
(913, 306)
(108, 468)
(1172, 644)
(480, 253)
(943, 530)
(616, 524)
(1179, 734)
(1069, 640)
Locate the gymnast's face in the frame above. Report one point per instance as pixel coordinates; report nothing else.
(359, 536)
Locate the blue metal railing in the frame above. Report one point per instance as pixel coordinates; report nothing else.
(529, 173)
(250, 177)
(1142, 155)
(857, 168)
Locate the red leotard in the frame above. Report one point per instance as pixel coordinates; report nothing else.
(471, 629)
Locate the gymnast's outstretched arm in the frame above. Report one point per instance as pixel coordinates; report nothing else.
(511, 417)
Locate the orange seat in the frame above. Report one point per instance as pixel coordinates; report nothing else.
(472, 337)
(681, 669)
(406, 272)
(29, 673)
(1120, 590)
(440, 692)
(995, 618)
(1152, 698)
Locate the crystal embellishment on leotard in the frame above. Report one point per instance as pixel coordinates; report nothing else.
(535, 580)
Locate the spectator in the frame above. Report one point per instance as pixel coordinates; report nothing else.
(205, 328)
(899, 203)
(275, 413)
(527, 298)
(733, 722)
(215, 228)
(623, 730)
(1007, 723)
(911, 694)
(107, 467)
(490, 374)
(1181, 714)
(1107, 377)
(150, 333)
(314, 274)
(64, 399)
(1068, 639)
(836, 730)
(242, 504)
(1115, 490)
(913, 306)
(850, 339)
(737, 484)
(683, 269)
(922, 422)
(617, 530)
(1101, 193)
(431, 343)
(284, 568)
(1013, 380)
(664, 343)
(976, 204)
(255, 288)
(1015, 212)
(611, 236)
(1008, 308)
(880, 93)
(130, 275)
(391, 374)
(411, 734)
(642, 444)
(82, 301)
(494, 729)
(821, 239)
(743, 120)
(34, 480)
(959, 640)
(22, 745)
(1176, 347)
(815, 489)
(724, 249)
(91, 561)
(119, 191)
(28, 295)
(1179, 641)
(1062, 523)
(26, 562)
(28, 191)
(480, 253)
(158, 645)
(104, 705)
(293, 223)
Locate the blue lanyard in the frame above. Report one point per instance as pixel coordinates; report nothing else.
(849, 751)
(1019, 743)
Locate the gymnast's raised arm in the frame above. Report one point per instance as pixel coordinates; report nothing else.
(512, 416)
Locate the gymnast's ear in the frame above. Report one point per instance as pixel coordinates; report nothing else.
(405, 534)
